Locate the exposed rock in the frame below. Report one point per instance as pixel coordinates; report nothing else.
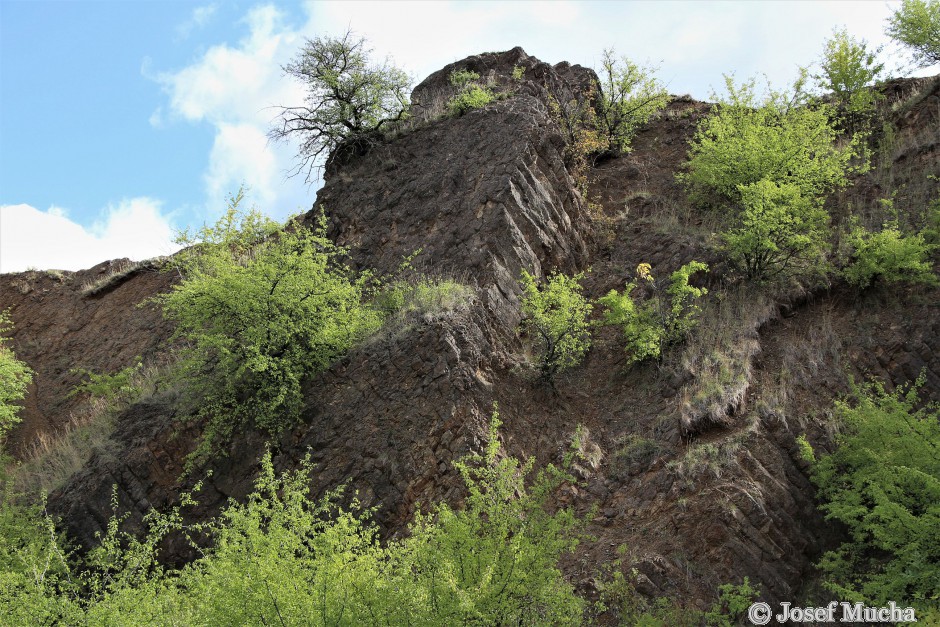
(484, 195)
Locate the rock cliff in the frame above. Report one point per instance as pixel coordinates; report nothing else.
(483, 196)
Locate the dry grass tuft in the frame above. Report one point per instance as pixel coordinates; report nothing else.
(53, 458)
(719, 356)
(120, 274)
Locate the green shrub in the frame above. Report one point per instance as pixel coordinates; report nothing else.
(849, 70)
(471, 95)
(916, 24)
(556, 320)
(666, 317)
(282, 557)
(780, 232)
(778, 138)
(733, 603)
(883, 483)
(261, 315)
(15, 377)
(35, 577)
(631, 97)
(890, 257)
(121, 386)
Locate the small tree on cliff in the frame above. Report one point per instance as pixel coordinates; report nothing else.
(349, 97)
(556, 318)
(917, 25)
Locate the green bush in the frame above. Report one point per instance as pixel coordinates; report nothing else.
(849, 70)
(890, 257)
(733, 603)
(778, 138)
(883, 483)
(471, 95)
(121, 386)
(556, 320)
(779, 232)
(259, 316)
(15, 377)
(631, 97)
(284, 558)
(916, 24)
(664, 318)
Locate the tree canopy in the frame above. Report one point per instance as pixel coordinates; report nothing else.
(777, 137)
(349, 97)
(916, 24)
(259, 311)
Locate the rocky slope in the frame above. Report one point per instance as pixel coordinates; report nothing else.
(701, 483)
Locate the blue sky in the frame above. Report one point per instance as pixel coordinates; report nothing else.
(122, 121)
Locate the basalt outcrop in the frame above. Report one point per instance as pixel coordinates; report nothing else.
(482, 196)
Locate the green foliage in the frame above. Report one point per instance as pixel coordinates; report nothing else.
(518, 72)
(578, 123)
(733, 603)
(556, 319)
(849, 69)
(35, 586)
(805, 449)
(780, 232)
(631, 97)
(470, 95)
(462, 78)
(420, 295)
(916, 24)
(15, 377)
(883, 483)
(121, 386)
(259, 316)
(619, 599)
(778, 138)
(349, 97)
(283, 558)
(664, 318)
(496, 561)
(890, 257)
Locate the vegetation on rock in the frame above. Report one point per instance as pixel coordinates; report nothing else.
(556, 320)
(15, 377)
(259, 312)
(284, 558)
(849, 70)
(349, 98)
(631, 96)
(776, 138)
(470, 93)
(663, 318)
(883, 482)
(779, 232)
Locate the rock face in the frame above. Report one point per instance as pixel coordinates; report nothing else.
(483, 196)
(61, 325)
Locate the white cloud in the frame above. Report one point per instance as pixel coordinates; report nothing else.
(197, 19)
(31, 238)
(240, 155)
(236, 89)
